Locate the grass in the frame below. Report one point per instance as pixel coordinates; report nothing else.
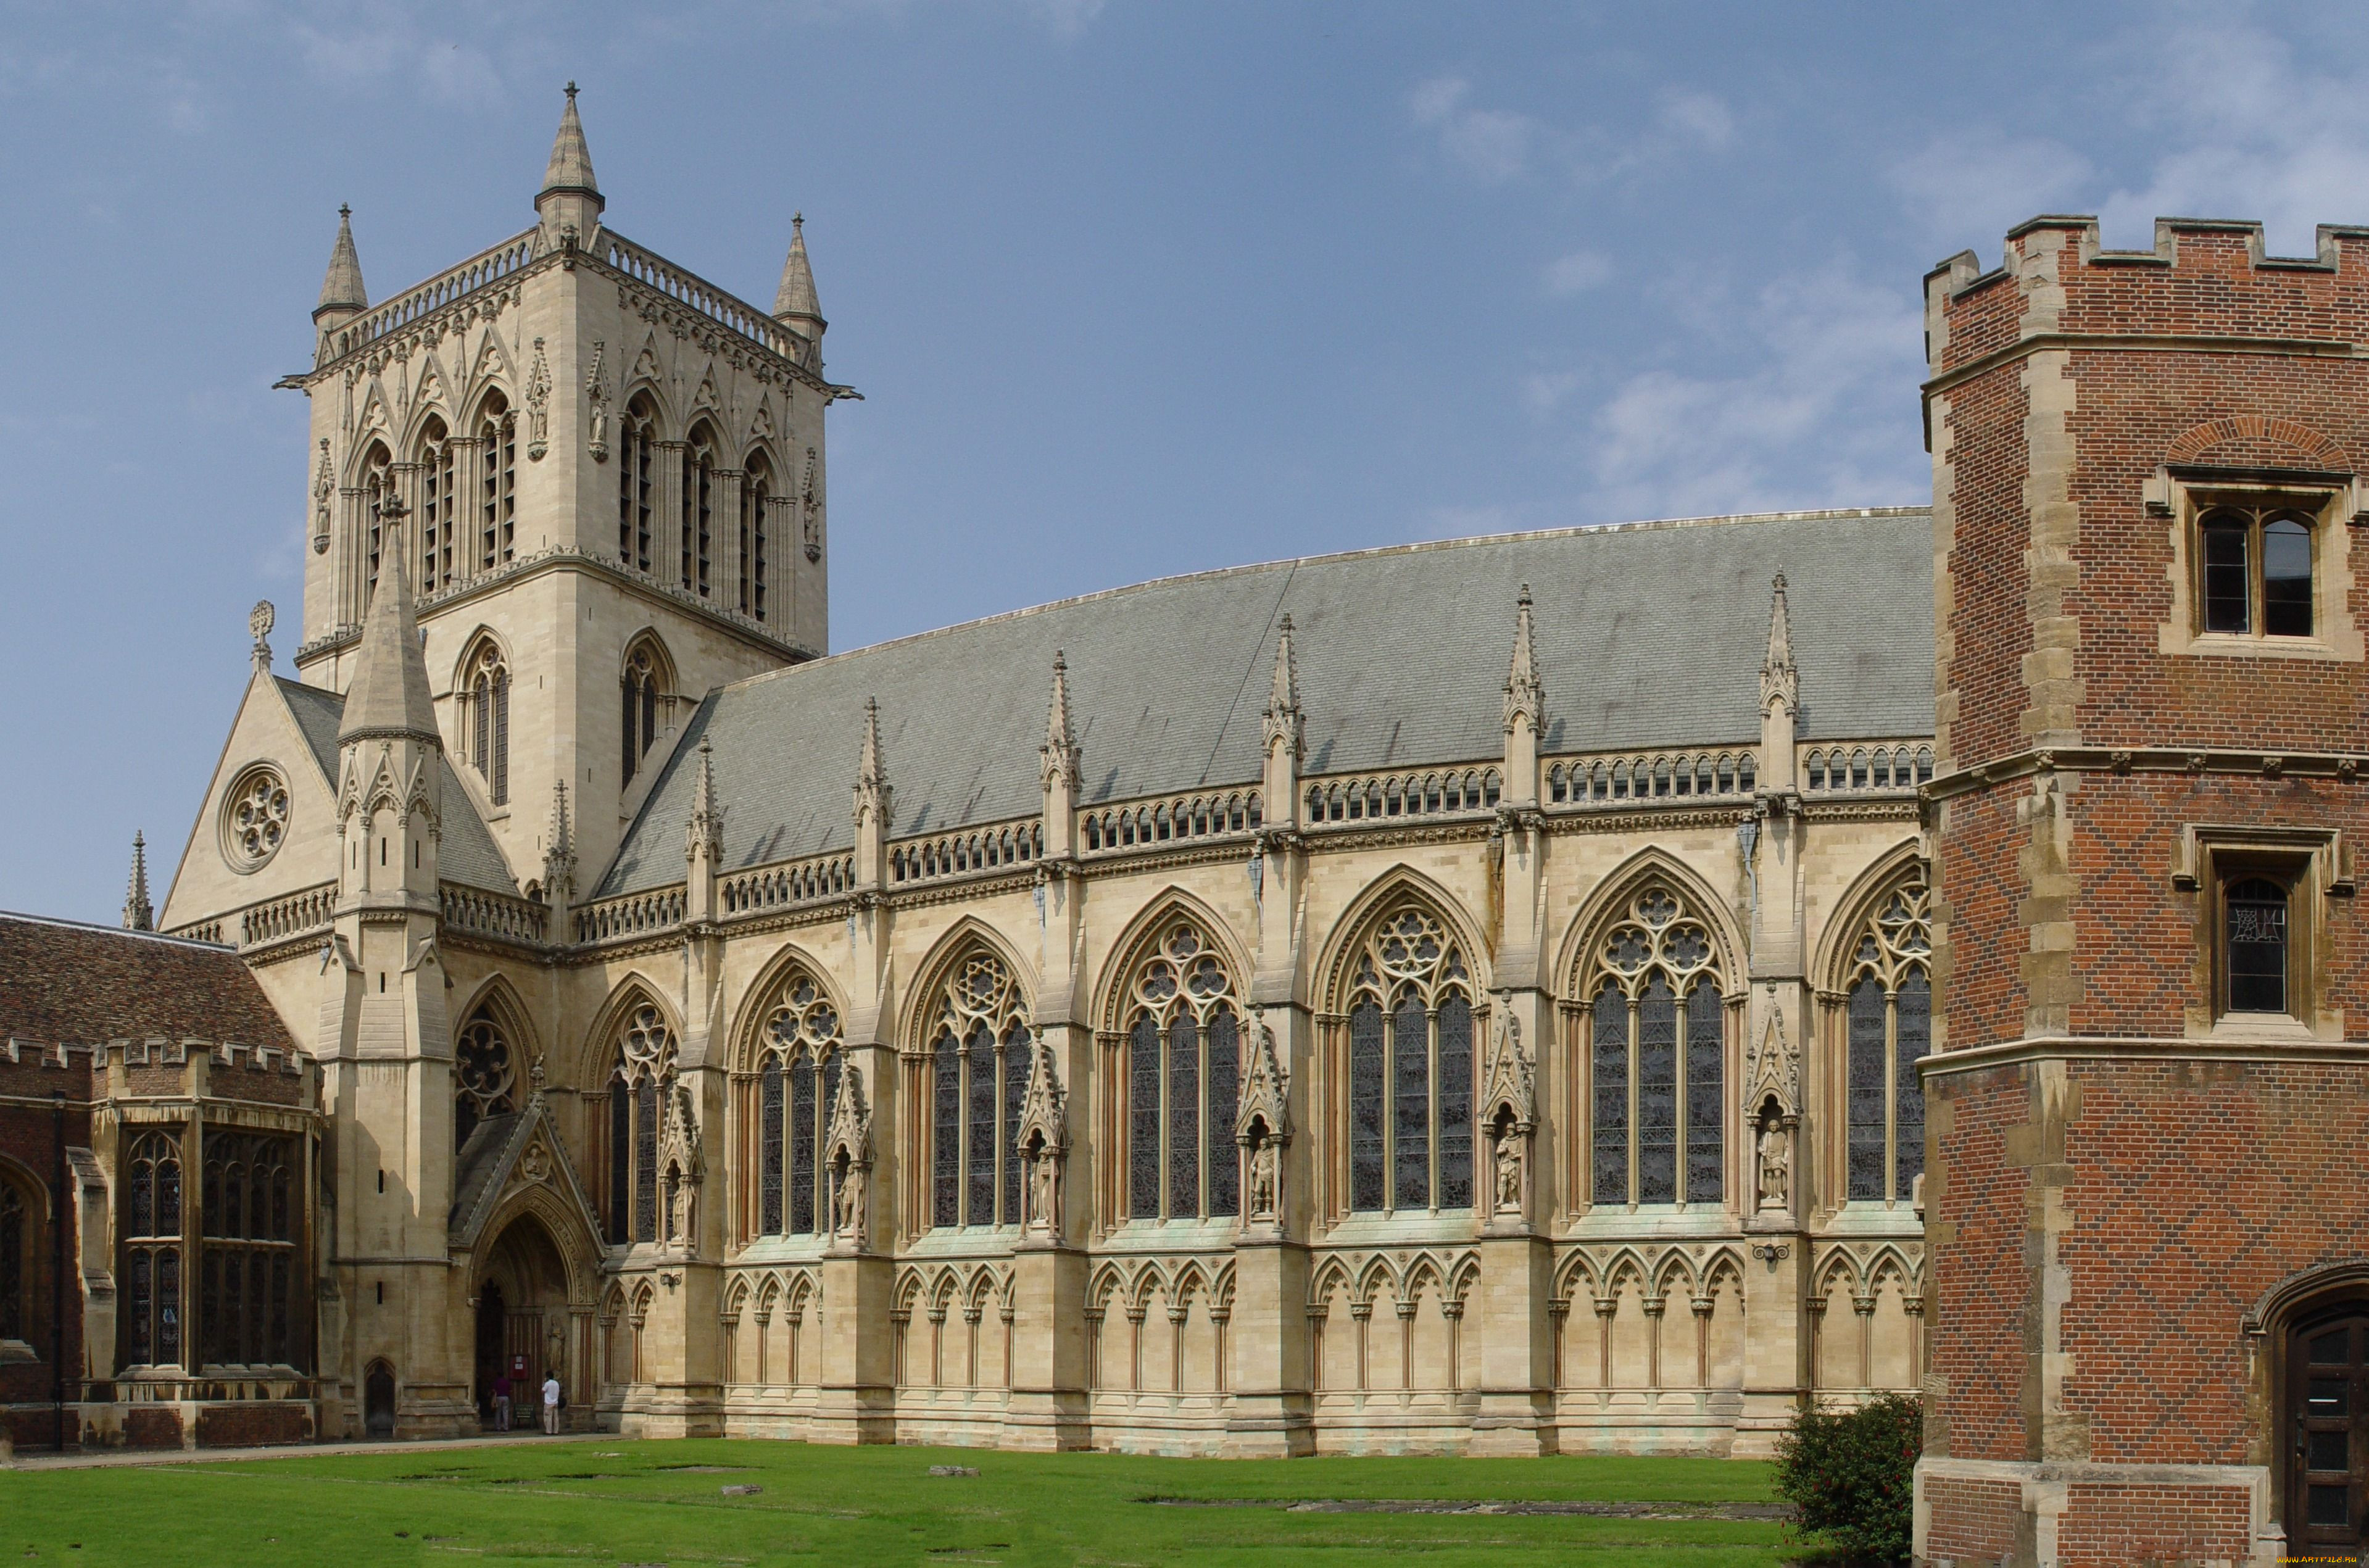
(614, 1502)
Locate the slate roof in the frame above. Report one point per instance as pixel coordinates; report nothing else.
(62, 981)
(466, 854)
(1649, 635)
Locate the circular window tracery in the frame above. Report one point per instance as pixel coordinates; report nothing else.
(255, 818)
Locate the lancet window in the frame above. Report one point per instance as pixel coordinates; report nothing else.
(797, 1082)
(245, 1271)
(1411, 1069)
(487, 683)
(1889, 1014)
(698, 511)
(378, 493)
(1658, 1056)
(979, 1073)
(644, 1066)
(756, 495)
(438, 524)
(497, 484)
(636, 482)
(644, 698)
(1183, 1073)
(485, 1075)
(16, 1314)
(150, 1326)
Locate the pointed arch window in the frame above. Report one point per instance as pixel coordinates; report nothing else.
(246, 1260)
(648, 702)
(797, 1080)
(698, 511)
(1411, 1069)
(485, 1075)
(1182, 1040)
(644, 1067)
(487, 683)
(439, 525)
(1658, 1021)
(756, 495)
(378, 492)
(978, 1070)
(150, 1328)
(1888, 1013)
(637, 452)
(497, 484)
(16, 1282)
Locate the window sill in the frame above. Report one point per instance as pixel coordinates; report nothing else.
(2262, 1029)
(2236, 645)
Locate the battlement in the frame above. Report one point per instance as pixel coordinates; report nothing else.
(2209, 280)
(159, 1065)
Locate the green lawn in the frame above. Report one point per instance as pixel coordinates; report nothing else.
(638, 1503)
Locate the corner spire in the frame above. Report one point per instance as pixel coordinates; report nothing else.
(1524, 693)
(342, 293)
(138, 914)
(1061, 749)
(1284, 719)
(1779, 682)
(570, 197)
(703, 836)
(389, 693)
(795, 301)
(560, 851)
(872, 803)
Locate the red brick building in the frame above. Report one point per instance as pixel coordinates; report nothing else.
(2149, 1285)
(159, 1137)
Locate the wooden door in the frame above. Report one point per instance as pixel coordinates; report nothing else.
(2328, 1438)
(523, 1337)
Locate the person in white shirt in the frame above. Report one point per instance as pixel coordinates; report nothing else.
(551, 1405)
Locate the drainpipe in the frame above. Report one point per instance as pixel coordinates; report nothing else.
(58, 1276)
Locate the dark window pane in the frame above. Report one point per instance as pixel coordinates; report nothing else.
(139, 1341)
(2258, 946)
(1184, 1117)
(645, 1162)
(2287, 578)
(946, 1134)
(1224, 1096)
(1015, 1093)
(168, 1191)
(281, 1351)
(1143, 1120)
(2330, 1450)
(1455, 1102)
(1365, 1067)
(2329, 1505)
(979, 1195)
(168, 1306)
(800, 1136)
(281, 1218)
(1657, 1093)
(2328, 1397)
(1409, 1105)
(1866, 1095)
(211, 1319)
(2331, 1349)
(13, 1316)
(1611, 1097)
(621, 1161)
(1706, 1096)
(1913, 1028)
(143, 1197)
(2226, 592)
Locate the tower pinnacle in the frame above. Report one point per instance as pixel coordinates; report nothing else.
(795, 304)
(389, 695)
(1524, 693)
(138, 914)
(342, 293)
(570, 197)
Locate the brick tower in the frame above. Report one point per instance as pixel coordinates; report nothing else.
(2147, 1222)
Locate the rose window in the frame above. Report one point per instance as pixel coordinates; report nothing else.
(255, 818)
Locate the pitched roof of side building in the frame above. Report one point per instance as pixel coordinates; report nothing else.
(63, 982)
(1649, 635)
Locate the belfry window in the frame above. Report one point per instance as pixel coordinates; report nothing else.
(697, 542)
(647, 702)
(378, 492)
(488, 687)
(1411, 1069)
(1184, 1069)
(1658, 1057)
(2256, 572)
(796, 1085)
(438, 529)
(497, 484)
(977, 1071)
(644, 1067)
(150, 1327)
(1888, 1012)
(756, 495)
(2254, 944)
(245, 1274)
(485, 1075)
(636, 452)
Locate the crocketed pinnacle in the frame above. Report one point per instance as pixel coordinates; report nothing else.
(138, 914)
(389, 693)
(1282, 718)
(342, 288)
(1061, 754)
(1524, 693)
(1779, 682)
(703, 836)
(570, 169)
(795, 301)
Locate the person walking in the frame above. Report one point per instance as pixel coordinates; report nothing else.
(551, 1405)
(501, 1402)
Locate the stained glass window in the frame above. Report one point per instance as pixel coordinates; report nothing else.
(1367, 1064)
(945, 1153)
(1410, 1012)
(979, 1149)
(1409, 1105)
(1914, 1011)
(1888, 1027)
(981, 1027)
(1657, 1094)
(2257, 959)
(1223, 1163)
(1706, 1096)
(1144, 1118)
(1183, 1117)
(621, 1162)
(1611, 1066)
(150, 1326)
(1183, 1075)
(645, 1162)
(1455, 1102)
(1016, 1093)
(1659, 1022)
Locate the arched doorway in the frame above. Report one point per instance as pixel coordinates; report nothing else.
(522, 1317)
(2326, 1418)
(378, 1401)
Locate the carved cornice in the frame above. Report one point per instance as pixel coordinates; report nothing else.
(2344, 767)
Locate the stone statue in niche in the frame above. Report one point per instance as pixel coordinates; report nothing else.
(1775, 1148)
(1509, 1172)
(847, 1201)
(1263, 1175)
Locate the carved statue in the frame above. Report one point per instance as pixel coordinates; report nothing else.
(1263, 1177)
(1776, 1162)
(1509, 1172)
(847, 1195)
(686, 1211)
(1045, 1211)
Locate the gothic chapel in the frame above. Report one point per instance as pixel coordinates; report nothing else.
(1716, 965)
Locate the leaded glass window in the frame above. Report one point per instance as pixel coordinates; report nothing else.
(645, 1061)
(246, 1224)
(1657, 1012)
(488, 685)
(2255, 926)
(2256, 576)
(15, 1318)
(801, 1052)
(980, 1027)
(485, 1076)
(643, 683)
(1888, 1028)
(151, 1322)
(1183, 1042)
(1410, 1068)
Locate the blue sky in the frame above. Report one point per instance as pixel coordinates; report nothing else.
(1131, 289)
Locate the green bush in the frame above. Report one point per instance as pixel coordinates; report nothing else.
(1851, 1476)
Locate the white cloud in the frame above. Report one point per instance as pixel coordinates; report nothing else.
(1066, 19)
(1577, 273)
(1976, 185)
(1543, 392)
(1698, 116)
(1493, 145)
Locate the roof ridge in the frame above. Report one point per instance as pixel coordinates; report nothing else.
(1294, 562)
(117, 931)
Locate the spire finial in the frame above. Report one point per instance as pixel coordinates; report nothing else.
(871, 775)
(567, 178)
(342, 293)
(1779, 681)
(259, 622)
(137, 913)
(1283, 717)
(1524, 693)
(705, 833)
(795, 302)
(1059, 753)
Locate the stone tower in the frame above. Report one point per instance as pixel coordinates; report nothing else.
(2150, 1084)
(611, 475)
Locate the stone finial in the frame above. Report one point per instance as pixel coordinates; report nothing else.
(1284, 721)
(1779, 682)
(703, 835)
(1525, 694)
(570, 197)
(342, 293)
(259, 622)
(559, 850)
(795, 304)
(870, 774)
(138, 913)
(1059, 754)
